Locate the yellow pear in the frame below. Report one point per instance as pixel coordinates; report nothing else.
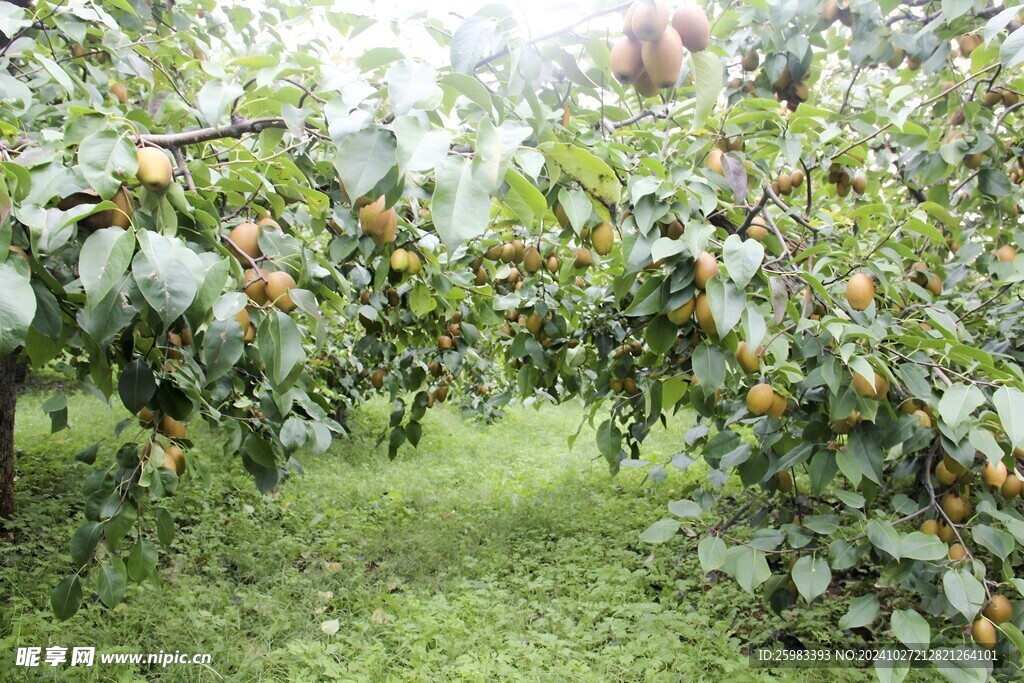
(626, 60)
(649, 19)
(693, 27)
(663, 58)
(279, 284)
(860, 292)
(155, 170)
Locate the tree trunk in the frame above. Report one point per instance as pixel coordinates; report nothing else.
(8, 400)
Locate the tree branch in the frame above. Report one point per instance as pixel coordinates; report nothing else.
(195, 137)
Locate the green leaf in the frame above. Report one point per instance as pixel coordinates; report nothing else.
(661, 334)
(17, 308)
(811, 576)
(594, 175)
(742, 259)
(106, 160)
(364, 158)
(475, 39)
(921, 546)
(421, 300)
(884, 537)
(280, 346)
(104, 259)
(709, 366)
(66, 597)
(964, 592)
(707, 74)
(711, 552)
(141, 560)
(863, 611)
(223, 345)
(136, 385)
(412, 85)
(577, 207)
(1014, 635)
(419, 149)
(164, 526)
(493, 152)
(749, 566)
(940, 213)
(910, 628)
(165, 283)
(84, 541)
(260, 451)
(1012, 51)
(727, 304)
(523, 198)
(661, 531)
(609, 441)
(460, 207)
(1009, 403)
(999, 543)
(112, 581)
(214, 98)
(958, 402)
(685, 508)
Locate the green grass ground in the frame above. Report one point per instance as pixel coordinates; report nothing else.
(491, 553)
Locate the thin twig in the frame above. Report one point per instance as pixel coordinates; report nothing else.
(178, 157)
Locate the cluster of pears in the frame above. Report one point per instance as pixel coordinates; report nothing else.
(377, 221)
(626, 385)
(262, 287)
(705, 268)
(155, 174)
(785, 183)
(454, 330)
(649, 55)
(1003, 96)
(405, 261)
(789, 90)
(762, 399)
(174, 458)
(844, 182)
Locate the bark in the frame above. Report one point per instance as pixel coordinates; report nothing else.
(8, 400)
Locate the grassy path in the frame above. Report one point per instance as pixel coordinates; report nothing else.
(492, 553)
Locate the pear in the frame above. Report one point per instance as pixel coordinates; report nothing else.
(663, 58)
(155, 170)
(279, 284)
(860, 292)
(532, 260)
(626, 59)
(760, 399)
(378, 223)
(254, 284)
(174, 459)
(400, 260)
(682, 314)
(649, 19)
(603, 238)
(693, 27)
(702, 312)
(583, 259)
(245, 239)
(706, 267)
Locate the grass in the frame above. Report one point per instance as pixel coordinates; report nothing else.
(490, 553)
